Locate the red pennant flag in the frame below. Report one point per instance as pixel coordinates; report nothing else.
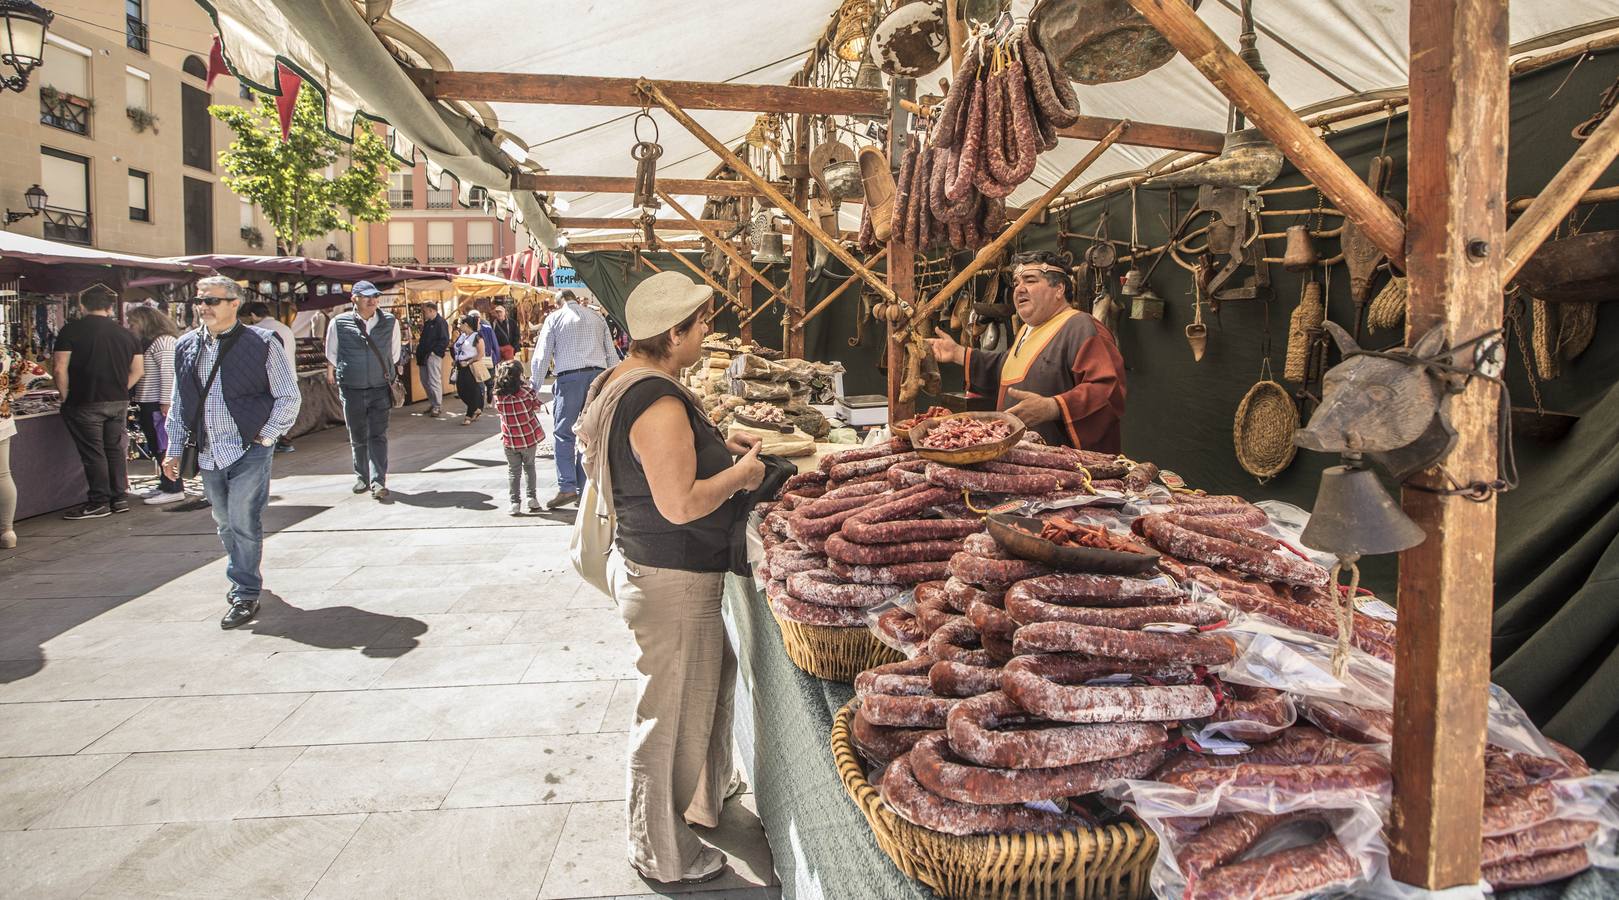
(216, 62)
(289, 83)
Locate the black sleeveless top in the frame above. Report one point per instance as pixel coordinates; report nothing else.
(644, 535)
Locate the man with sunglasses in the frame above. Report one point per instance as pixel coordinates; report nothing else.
(235, 393)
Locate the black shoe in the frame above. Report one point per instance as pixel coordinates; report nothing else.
(241, 612)
(562, 499)
(360, 486)
(89, 511)
(119, 506)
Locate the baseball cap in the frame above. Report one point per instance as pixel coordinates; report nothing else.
(365, 289)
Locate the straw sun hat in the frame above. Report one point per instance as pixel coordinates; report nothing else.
(662, 302)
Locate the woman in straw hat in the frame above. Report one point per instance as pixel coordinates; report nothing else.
(672, 477)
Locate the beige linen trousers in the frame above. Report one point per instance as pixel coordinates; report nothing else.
(680, 757)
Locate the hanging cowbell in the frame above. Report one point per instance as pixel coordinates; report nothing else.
(1249, 160)
(1354, 516)
(769, 250)
(1300, 254)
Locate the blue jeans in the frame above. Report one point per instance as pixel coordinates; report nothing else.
(569, 401)
(365, 411)
(238, 494)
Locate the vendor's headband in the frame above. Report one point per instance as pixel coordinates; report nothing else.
(1037, 267)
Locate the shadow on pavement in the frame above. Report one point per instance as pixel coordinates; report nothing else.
(337, 627)
(475, 500)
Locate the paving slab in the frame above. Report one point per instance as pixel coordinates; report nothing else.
(63, 863)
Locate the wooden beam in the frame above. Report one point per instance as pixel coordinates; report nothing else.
(592, 246)
(993, 249)
(798, 267)
(902, 281)
(1457, 163)
(627, 224)
(744, 308)
(592, 90)
(1179, 25)
(1561, 194)
(726, 247)
(613, 184)
(1596, 195)
(774, 196)
(1147, 134)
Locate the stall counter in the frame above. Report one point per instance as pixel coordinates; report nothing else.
(821, 843)
(45, 464)
(321, 407)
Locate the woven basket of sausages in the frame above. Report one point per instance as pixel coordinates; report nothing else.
(1104, 861)
(832, 653)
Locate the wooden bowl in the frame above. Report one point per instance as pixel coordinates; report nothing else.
(966, 456)
(1021, 538)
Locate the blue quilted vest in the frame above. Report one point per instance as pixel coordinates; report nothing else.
(357, 366)
(243, 380)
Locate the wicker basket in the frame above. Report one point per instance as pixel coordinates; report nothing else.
(1110, 861)
(1263, 431)
(836, 654)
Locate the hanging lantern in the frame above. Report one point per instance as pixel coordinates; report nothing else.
(854, 27)
(22, 39)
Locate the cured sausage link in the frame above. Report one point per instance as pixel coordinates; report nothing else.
(1116, 643)
(972, 726)
(1224, 839)
(871, 680)
(906, 710)
(1562, 834)
(1168, 533)
(991, 482)
(844, 471)
(949, 678)
(849, 552)
(1538, 869)
(919, 806)
(791, 608)
(882, 743)
(824, 587)
(938, 770)
(1098, 590)
(890, 573)
(885, 448)
(1286, 873)
(975, 569)
(1089, 704)
(1026, 610)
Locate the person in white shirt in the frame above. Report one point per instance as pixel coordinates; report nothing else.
(157, 333)
(258, 313)
(576, 343)
(362, 356)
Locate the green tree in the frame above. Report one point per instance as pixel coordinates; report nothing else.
(287, 179)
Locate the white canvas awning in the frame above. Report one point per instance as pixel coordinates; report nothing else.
(1316, 52)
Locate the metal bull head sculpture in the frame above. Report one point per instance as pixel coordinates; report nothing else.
(1388, 407)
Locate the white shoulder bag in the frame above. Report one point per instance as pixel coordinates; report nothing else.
(596, 523)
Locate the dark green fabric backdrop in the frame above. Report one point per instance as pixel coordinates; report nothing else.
(1558, 554)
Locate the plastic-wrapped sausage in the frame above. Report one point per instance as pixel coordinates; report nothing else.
(1518, 808)
(919, 806)
(1350, 722)
(1224, 839)
(943, 773)
(1549, 837)
(1537, 869)
(1253, 714)
(1208, 649)
(991, 730)
(1285, 873)
(976, 569)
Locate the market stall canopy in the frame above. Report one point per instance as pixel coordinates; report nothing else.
(1322, 54)
(477, 285)
(49, 267)
(302, 267)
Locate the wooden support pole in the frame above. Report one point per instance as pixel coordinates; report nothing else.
(836, 293)
(798, 216)
(1597, 195)
(957, 24)
(1148, 134)
(1561, 194)
(993, 249)
(592, 90)
(902, 278)
(726, 247)
(744, 310)
(1457, 163)
(628, 224)
(614, 184)
(592, 246)
(792, 335)
(1179, 25)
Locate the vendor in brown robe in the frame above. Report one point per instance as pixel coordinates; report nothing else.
(1063, 375)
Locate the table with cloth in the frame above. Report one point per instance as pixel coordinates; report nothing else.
(819, 839)
(321, 407)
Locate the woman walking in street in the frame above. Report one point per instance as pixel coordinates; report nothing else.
(673, 479)
(520, 431)
(471, 357)
(157, 334)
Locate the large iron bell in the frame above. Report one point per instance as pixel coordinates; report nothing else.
(770, 249)
(1354, 516)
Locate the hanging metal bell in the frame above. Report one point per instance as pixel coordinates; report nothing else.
(868, 77)
(1133, 281)
(1300, 254)
(1248, 160)
(1354, 516)
(769, 250)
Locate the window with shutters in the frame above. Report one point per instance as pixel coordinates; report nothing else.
(441, 243)
(480, 241)
(196, 129)
(140, 196)
(402, 243)
(64, 86)
(65, 177)
(400, 195)
(135, 33)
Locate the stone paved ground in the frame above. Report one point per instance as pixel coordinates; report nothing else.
(430, 703)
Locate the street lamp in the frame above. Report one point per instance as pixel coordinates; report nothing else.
(22, 39)
(332, 253)
(35, 198)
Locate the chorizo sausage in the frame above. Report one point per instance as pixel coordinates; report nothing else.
(1352, 723)
(791, 608)
(840, 550)
(942, 773)
(844, 471)
(1537, 869)
(959, 186)
(944, 209)
(1044, 81)
(1188, 537)
(1224, 838)
(1023, 139)
(950, 678)
(883, 448)
(921, 807)
(997, 127)
(889, 574)
(895, 678)
(1089, 704)
(1025, 610)
(991, 482)
(1253, 714)
(1099, 590)
(975, 569)
(957, 640)
(900, 627)
(1286, 873)
(882, 743)
(991, 730)
(1549, 837)
(825, 588)
(932, 607)
(1116, 643)
(947, 123)
(906, 710)
(1518, 808)
(962, 595)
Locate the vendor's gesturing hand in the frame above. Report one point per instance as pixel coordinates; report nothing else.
(171, 468)
(742, 441)
(1032, 408)
(751, 469)
(945, 349)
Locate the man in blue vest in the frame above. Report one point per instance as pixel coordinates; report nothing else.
(234, 394)
(362, 355)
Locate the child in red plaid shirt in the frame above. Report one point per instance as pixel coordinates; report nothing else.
(520, 431)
